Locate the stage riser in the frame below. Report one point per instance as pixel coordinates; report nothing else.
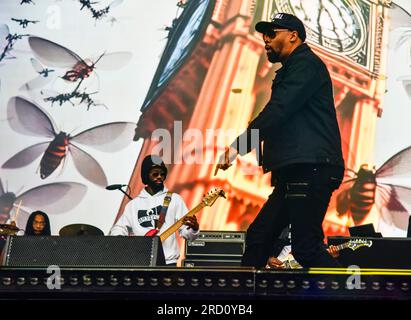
(195, 283)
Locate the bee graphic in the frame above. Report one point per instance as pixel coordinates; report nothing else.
(7, 41)
(57, 197)
(362, 189)
(24, 22)
(27, 2)
(28, 118)
(98, 14)
(54, 55)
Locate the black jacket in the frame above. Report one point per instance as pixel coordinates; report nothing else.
(299, 123)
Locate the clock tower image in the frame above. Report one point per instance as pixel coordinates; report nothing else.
(214, 74)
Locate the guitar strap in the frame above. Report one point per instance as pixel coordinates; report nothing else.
(163, 211)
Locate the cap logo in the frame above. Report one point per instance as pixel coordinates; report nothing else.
(279, 16)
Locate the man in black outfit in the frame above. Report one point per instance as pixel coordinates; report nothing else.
(302, 148)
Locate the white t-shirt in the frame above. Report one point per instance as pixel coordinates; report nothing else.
(140, 216)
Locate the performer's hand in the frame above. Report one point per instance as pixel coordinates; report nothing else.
(224, 162)
(275, 263)
(191, 222)
(332, 250)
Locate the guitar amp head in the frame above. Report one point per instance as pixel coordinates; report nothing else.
(216, 245)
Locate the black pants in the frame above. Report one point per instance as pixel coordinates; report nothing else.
(300, 198)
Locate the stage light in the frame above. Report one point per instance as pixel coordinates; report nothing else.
(291, 284)
(6, 281)
(306, 284)
(73, 280)
(278, 284)
(335, 285)
(375, 285)
(141, 282)
(222, 283)
(235, 283)
(208, 282)
(389, 286)
(167, 282)
(21, 281)
(87, 281)
(321, 285)
(181, 282)
(100, 281)
(153, 282)
(263, 284)
(127, 281)
(194, 282)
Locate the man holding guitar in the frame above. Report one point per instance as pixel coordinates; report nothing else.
(156, 210)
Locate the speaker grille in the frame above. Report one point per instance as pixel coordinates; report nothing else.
(85, 251)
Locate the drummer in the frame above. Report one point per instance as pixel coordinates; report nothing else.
(38, 224)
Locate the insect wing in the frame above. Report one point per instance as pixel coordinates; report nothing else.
(114, 60)
(399, 17)
(28, 118)
(115, 3)
(394, 203)
(36, 65)
(1, 188)
(88, 167)
(36, 83)
(26, 156)
(108, 137)
(398, 165)
(53, 54)
(55, 198)
(4, 32)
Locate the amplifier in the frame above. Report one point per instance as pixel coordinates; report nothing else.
(192, 263)
(216, 244)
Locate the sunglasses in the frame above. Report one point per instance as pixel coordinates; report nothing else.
(272, 33)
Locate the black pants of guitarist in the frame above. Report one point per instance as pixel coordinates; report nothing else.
(300, 197)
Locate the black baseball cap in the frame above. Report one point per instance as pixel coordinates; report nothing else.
(150, 162)
(283, 21)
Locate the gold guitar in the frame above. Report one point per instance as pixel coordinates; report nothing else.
(290, 262)
(208, 200)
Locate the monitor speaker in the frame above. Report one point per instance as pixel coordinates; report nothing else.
(82, 251)
(409, 228)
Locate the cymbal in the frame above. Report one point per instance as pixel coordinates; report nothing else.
(8, 229)
(80, 230)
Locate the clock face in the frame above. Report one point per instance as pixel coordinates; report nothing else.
(333, 24)
(184, 37)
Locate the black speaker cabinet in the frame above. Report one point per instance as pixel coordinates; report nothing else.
(82, 251)
(384, 253)
(227, 245)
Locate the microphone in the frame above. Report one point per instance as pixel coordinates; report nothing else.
(115, 186)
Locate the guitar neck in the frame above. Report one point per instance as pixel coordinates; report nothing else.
(342, 246)
(179, 223)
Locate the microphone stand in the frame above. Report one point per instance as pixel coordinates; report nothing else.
(128, 196)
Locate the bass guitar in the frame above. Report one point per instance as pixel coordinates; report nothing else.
(208, 200)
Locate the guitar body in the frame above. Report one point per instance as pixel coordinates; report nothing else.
(208, 200)
(151, 233)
